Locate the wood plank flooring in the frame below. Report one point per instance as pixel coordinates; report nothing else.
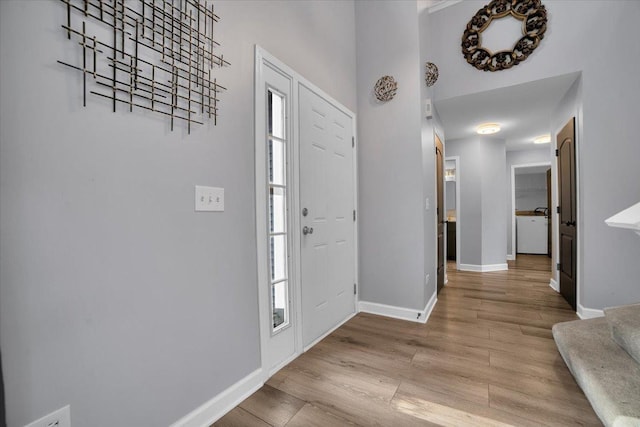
(486, 357)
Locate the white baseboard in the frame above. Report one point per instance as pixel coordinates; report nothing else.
(213, 410)
(402, 313)
(554, 285)
(588, 313)
(511, 257)
(323, 336)
(484, 268)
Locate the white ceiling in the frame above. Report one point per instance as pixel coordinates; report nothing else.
(523, 111)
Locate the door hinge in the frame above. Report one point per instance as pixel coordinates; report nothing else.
(354, 214)
(353, 141)
(557, 152)
(558, 266)
(557, 209)
(354, 289)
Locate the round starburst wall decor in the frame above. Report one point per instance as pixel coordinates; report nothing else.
(385, 88)
(431, 74)
(533, 15)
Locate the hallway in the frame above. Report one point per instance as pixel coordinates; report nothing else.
(486, 357)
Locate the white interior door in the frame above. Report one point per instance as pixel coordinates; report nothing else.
(327, 217)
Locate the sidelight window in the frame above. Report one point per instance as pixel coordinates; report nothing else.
(276, 139)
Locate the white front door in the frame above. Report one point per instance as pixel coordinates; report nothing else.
(327, 216)
(305, 162)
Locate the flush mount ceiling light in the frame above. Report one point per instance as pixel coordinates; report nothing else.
(542, 139)
(488, 128)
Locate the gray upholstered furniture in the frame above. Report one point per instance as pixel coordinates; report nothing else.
(603, 355)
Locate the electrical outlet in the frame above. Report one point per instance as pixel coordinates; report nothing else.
(209, 199)
(426, 204)
(426, 280)
(59, 418)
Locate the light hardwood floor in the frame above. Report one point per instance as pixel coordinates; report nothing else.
(486, 357)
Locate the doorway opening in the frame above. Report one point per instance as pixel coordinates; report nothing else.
(531, 215)
(490, 211)
(452, 203)
(306, 229)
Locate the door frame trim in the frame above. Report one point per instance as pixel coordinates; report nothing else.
(436, 135)
(576, 114)
(264, 58)
(514, 250)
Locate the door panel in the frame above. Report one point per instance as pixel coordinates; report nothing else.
(567, 202)
(327, 192)
(440, 211)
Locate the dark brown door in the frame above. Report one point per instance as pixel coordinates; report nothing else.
(549, 216)
(440, 211)
(567, 205)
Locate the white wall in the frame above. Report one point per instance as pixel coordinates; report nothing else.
(390, 156)
(597, 38)
(115, 297)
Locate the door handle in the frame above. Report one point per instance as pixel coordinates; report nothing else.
(307, 230)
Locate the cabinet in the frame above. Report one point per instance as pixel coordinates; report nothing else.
(451, 240)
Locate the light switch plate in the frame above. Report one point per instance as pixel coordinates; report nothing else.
(209, 199)
(427, 109)
(426, 204)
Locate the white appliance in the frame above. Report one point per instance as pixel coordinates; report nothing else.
(531, 234)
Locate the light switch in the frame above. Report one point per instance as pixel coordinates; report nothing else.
(209, 199)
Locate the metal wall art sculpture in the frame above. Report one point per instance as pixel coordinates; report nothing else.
(155, 55)
(431, 74)
(533, 15)
(385, 88)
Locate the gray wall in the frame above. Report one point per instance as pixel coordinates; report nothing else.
(482, 214)
(450, 188)
(608, 151)
(469, 211)
(390, 175)
(430, 127)
(531, 191)
(115, 297)
(494, 185)
(521, 157)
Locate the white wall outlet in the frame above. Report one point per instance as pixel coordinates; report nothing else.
(426, 280)
(209, 199)
(426, 204)
(59, 418)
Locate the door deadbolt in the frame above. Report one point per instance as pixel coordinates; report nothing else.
(305, 211)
